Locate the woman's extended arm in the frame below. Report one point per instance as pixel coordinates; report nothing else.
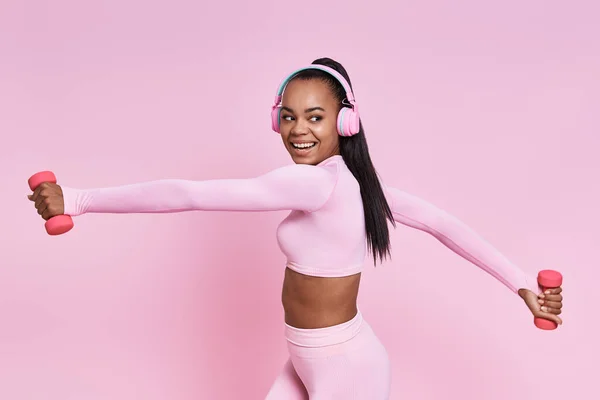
(412, 211)
(295, 187)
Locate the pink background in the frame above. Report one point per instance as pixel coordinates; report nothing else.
(488, 110)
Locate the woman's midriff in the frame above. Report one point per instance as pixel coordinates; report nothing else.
(311, 302)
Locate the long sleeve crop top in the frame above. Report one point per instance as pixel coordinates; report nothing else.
(324, 233)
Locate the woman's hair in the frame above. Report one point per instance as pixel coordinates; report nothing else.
(355, 152)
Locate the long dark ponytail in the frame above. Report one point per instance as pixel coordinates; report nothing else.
(355, 152)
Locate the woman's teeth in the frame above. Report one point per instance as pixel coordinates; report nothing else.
(303, 145)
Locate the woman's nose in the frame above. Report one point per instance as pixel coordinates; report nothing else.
(300, 128)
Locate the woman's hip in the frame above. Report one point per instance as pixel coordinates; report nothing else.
(347, 359)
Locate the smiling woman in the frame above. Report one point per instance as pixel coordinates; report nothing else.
(339, 210)
(308, 121)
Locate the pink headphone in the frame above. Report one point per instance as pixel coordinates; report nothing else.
(348, 120)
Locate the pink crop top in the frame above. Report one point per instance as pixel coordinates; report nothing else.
(324, 233)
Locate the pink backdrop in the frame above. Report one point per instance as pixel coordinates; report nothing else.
(489, 111)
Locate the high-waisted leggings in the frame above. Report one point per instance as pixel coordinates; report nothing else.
(340, 362)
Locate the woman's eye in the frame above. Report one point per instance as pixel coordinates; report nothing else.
(316, 118)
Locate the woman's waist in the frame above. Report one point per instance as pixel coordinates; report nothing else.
(301, 340)
(314, 302)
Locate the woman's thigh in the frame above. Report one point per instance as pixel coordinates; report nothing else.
(287, 385)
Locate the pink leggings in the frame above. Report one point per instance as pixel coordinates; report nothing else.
(345, 361)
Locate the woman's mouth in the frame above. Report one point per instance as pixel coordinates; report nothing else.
(303, 147)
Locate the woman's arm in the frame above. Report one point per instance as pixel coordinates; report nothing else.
(412, 211)
(295, 187)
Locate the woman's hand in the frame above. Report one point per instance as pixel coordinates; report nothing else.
(547, 305)
(48, 200)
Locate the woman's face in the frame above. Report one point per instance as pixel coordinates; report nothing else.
(309, 113)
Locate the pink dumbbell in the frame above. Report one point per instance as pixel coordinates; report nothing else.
(547, 279)
(58, 224)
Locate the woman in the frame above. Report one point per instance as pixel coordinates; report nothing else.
(339, 210)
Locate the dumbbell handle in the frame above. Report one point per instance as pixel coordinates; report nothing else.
(547, 279)
(58, 224)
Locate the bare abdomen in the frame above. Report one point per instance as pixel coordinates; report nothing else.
(313, 302)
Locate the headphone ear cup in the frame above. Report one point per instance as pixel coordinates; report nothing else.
(348, 122)
(275, 118)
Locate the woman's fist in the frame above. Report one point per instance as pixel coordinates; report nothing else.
(48, 200)
(547, 305)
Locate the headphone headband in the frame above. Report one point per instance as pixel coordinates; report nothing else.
(330, 71)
